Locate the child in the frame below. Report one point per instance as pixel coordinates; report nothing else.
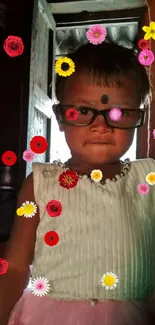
(91, 241)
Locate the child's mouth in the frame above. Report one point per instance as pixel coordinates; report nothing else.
(100, 143)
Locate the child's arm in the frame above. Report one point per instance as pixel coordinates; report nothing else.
(19, 254)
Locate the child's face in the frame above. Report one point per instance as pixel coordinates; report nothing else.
(78, 91)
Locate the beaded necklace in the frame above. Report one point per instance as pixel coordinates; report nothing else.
(126, 165)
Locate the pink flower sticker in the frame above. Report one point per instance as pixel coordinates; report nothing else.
(115, 114)
(40, 286)
(28, 155)
(154, 133)
(146, 57)
(143, 188)
(96, 34)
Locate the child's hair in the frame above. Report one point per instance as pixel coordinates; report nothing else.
(107, 63)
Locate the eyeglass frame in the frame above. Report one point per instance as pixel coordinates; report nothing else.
(103, 113)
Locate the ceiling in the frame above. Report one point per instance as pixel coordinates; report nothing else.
(70, 36)
(72, 6)
(67, 40)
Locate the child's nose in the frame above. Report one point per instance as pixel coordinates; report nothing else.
(100, 122)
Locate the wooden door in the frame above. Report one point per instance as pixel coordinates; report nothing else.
(41, 74)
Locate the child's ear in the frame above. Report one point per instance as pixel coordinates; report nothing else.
(61, 127)
(54, 109)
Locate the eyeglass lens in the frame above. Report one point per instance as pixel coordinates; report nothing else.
(83, 115)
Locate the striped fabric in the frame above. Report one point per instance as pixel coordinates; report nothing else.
(102, 228)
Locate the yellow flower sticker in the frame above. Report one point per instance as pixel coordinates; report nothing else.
(109, 281)
(150, 178)
(96, 175)
(149, 30)
(20, 212)
(64, 67)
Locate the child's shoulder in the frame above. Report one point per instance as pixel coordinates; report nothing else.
(144, 164)
(145, 161)
(143, 170)
(44, 167)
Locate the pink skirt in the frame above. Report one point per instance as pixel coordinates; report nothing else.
(32, 310)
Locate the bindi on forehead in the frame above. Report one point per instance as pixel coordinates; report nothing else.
(104, 99)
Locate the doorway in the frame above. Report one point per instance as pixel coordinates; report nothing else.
(57, 33)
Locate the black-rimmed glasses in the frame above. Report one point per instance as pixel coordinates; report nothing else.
(84, 116)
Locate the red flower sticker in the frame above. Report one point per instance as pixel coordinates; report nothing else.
(68, 179)
(143, 44)
(13, 46)
(51, 238)
(38, 144)
(3, 266)
(72, 114)
(9, 158)
(54, 208)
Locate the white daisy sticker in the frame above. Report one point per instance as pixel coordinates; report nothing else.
(109, 281)
(40, 286)
(29, 209)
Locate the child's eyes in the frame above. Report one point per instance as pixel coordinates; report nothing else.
(84, 110)
(124, 113)
(81, 110)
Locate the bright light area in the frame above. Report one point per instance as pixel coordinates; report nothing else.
(60, 150)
